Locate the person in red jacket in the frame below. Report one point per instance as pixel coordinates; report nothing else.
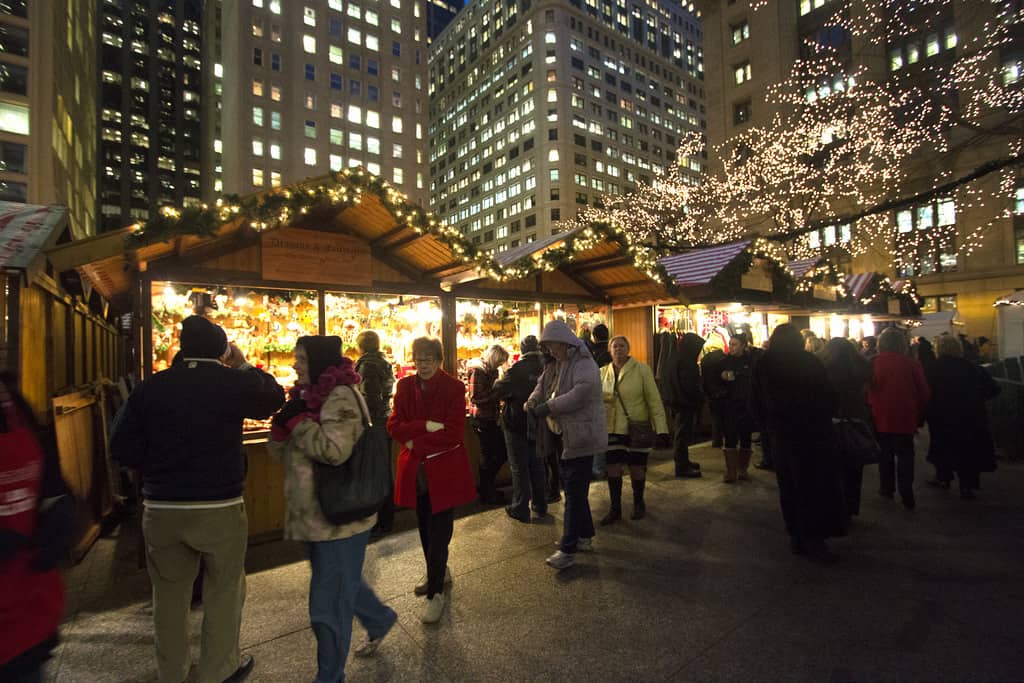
(36, 522)
(898, 396)
(428, 420)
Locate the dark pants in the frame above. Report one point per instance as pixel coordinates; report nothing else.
(853, 477)
(766, 449)
(898, 475)
(736, 430)
(435, 535)
(577, 522)
(554, 472)
(528, 475)
(684, 421)
(386, 514)
(716, 429)
(492, 454)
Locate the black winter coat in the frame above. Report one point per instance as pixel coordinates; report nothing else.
(378, 385)
(957, 417)
(515, 387)
(681, 386)
(183, 428)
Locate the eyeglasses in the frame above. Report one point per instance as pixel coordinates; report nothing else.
(425, 360)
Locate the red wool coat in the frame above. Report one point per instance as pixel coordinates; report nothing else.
(899, 393)
(443, 454)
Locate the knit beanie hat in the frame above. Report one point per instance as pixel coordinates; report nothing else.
(323, 352)
(529, 344)
(201, 338)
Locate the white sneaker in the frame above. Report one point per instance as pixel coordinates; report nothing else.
(421, 587)
(561, 560)
(434, 609)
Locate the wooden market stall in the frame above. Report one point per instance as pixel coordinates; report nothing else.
(55, 333)
(335, 255)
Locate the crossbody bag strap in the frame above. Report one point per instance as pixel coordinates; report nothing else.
(366, 417)
(619, 396)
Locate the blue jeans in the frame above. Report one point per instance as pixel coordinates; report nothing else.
(577, 523)
(529, 474)
(336, 593)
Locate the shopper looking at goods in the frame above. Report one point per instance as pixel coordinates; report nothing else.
(733, 405)
(529, 474)
(37, 517)
(568, 398)
(635, 415)
(183, 429)
(899, 395)
(683, 393)
(484, 408)
(433, 476)
(321, 423)
(378, 383)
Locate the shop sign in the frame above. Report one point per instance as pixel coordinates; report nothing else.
(824, 292)
(758, 278)
(294, 255)
(894, 306)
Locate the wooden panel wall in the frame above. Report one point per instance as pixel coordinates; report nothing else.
(264, 494)
(34, 361)
(637, 325)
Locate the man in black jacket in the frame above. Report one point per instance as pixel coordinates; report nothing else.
(378, 384)
(681, 390)
(528, 467)
(183, 429)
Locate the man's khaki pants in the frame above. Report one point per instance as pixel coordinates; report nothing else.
(175, 541)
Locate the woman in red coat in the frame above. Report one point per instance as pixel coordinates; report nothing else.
(429, 420)
(898, 396)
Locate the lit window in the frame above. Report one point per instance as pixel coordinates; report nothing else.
(741, 72)
(355, 141)
(396, 124)
(398, 176)
(553, 155)
(275, 178)
(895, 59)
(354, 36)
(396, 26)
(257, 87)
(334, 54)
(336, 111)
(275, 151)
(372, 43)
(334, 5)
(310, 129)
(740, 32)
(257, 3)
(275, 93)
(275, 120)
(337, 163)
(550, 38)
(310, 102)
(1012, 71)
(14, 118)
(372, 18)
(257, 116)
(396, 151)
(257, 177)
(309, 16)
(372, 118)
(309, 44)
(355, 114)
(309, 156)
(275, 6)
(337, 136)
(257, 147)
(257, 28)
(373, 145)
(373, 168)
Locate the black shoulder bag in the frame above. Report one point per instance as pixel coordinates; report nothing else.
(358, 487)
(641, 434)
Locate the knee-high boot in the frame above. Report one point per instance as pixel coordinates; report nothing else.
(732, 456)
(615, 494)
(639, 507)
(744, 463)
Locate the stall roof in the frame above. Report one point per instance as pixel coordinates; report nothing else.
(510, 256)
(26, 230)
(800, 267)
(700, 266)
(1012, 299)
(856, 284)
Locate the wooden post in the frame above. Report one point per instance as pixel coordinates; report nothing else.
(145, 326)
(449, 333)
(322, 306)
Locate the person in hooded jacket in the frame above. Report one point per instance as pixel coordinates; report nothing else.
(182, 428)
(602, 356)
(36, 526)
(527, 464)
(568, 397)
(961, 440)
(321, 423)
(682, 390)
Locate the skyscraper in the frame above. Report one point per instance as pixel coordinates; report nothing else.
(539, 108)
(48, 106)
(313, 86)
(150, 106)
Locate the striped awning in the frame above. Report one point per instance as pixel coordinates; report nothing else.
(510, 256)
(800, 267)
(856, 284)
(25, 229)
(700, 266)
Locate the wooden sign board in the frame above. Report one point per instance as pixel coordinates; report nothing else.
(824, 292)
(894, 306)
(758, 278)
(294, 255)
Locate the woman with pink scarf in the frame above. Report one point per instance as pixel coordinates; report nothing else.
(321, 422)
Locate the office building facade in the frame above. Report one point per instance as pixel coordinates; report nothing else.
(538, 109)
(313, 86)
(48, 107)
(150, 108)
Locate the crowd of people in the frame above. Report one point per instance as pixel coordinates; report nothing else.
(567, 411)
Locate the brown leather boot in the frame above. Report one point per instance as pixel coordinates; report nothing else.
(731, 464)
(744, 463)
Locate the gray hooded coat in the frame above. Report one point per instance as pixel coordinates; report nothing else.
(573, 392)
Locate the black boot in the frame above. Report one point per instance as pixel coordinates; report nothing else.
(615, 494)
(639, 508)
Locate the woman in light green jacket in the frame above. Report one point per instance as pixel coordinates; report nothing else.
(630, 395)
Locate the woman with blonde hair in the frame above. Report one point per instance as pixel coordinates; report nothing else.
(630, 396)
(484, 408)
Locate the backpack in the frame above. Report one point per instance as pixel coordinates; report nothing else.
(358, 487)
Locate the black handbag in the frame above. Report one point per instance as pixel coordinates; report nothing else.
(641, 433)
(856, 442)
(358, 487)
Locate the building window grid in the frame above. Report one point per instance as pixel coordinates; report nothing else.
(926, 238)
